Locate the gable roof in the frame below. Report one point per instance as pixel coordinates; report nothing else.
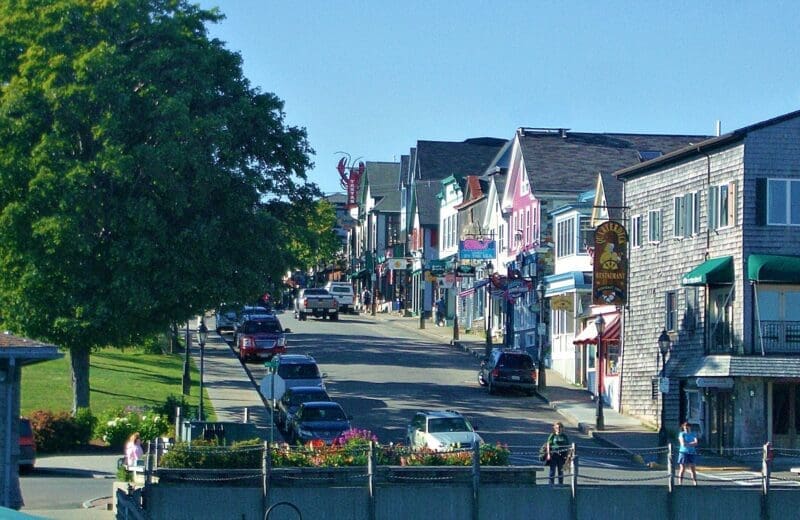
(612, 189)
(26, 350)
(570, 161)
(703, 146)
(441, 159)
(425, 193)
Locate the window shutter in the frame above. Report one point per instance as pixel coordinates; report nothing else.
(677, 230)
(696, 219)
(761, 202)
(712, 207)
(688, 210)
(732, 203)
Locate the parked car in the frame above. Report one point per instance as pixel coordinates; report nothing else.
(27, 446)
(292, 398)
(343, 292)
(261, 338)
(318, 420)
(508, 369)
(225, 317)
(443, 430)
(292, 370)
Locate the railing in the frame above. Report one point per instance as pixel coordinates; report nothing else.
(779, 337)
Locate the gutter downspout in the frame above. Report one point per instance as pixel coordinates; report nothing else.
(12, 363)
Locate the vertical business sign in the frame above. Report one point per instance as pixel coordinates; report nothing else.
(610, 280)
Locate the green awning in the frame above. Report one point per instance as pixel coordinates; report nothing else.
(716, 271)
(773, 268)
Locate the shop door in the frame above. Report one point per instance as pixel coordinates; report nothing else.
(720, 421)
(785, 414)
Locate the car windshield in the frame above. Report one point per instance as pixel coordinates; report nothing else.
(448, 424)
(309, 292)
(254, 327)
(324, 414)
(347, 290)
(304, 397)
(298, 371)
(517, 362)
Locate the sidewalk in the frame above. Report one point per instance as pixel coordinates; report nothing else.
(575, 404)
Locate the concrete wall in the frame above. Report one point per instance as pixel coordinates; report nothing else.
(444, 501)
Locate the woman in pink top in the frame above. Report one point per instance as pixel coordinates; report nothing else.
(133, 450)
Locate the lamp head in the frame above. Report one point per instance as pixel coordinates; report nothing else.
(540, 290)
(600, 324)
(664, 343)
(489, 266)
(202, 332)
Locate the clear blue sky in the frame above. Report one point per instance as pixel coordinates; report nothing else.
(372, 77)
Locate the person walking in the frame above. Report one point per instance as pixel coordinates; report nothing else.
(440, 312)
(687, 453)
(558, 447)
(366, 299)
(133, 450)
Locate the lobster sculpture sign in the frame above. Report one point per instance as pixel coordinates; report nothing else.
(350, 176)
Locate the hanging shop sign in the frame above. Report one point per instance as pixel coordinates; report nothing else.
(561, 302)
(437, 267)
(397, 264)
(610, 280)
(517, 288)
(715, 382)
(477, 249)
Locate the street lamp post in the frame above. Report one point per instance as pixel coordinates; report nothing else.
(422, 301)
(542, 379)
(600, 324)
(509, 336)
(488, 311)
(186, 380)
(455, 302)
(664, 343)
(202, 334)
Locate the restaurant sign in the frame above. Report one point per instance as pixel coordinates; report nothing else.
(610, 280)
(477, 249)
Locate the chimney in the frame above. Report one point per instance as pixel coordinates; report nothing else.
(719, 127)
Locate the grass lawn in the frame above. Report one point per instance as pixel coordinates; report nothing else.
(117, 378)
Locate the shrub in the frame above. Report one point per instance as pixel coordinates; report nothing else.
(54, 432)
(120, 424)
(211, 455)
(85, 424)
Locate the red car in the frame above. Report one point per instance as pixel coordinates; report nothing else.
(261, 338)
(27, 446)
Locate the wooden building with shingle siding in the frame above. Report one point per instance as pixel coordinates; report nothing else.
(14, 353)
(715, 262)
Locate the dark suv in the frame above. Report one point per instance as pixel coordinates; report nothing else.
(508, 369)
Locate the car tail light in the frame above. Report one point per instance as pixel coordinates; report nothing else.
(533, 375)
(280, 342)
(495, 372)
(305, 302)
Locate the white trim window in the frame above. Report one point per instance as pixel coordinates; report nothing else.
(686, 215)
(654, 226)
(565, 237)
(671, 311)
(783, 202)
(636, 231)
(722, 206)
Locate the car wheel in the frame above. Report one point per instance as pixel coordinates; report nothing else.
(481, 380)
(302, 316)
(335, 316)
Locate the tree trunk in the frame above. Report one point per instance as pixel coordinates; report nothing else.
(79, 360)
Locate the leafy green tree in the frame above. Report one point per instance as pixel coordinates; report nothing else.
(134, 158)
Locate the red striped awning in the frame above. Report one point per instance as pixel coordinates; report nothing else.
(588, 336)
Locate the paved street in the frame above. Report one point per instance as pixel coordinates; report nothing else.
(381, 369)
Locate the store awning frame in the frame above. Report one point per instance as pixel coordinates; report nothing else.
(588, 336)
(714, 271)
(773, 268)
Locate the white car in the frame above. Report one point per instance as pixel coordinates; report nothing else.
(344, 294)
(444, 430)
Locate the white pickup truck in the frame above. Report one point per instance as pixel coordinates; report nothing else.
(317, 302)
(344, 294)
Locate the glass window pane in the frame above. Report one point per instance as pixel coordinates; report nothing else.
(723, 206)
(795, 203)
(776, 195)
(769, 305)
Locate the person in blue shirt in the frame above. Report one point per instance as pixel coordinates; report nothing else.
(687, 453)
